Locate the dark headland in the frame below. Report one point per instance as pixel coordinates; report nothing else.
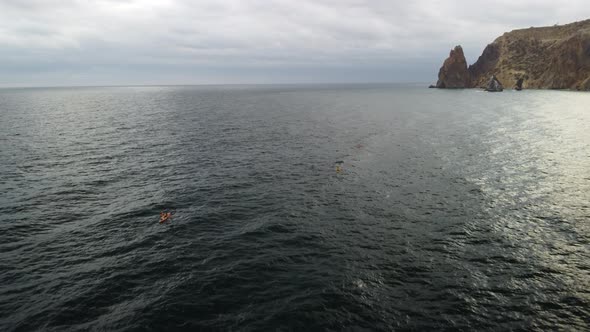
(555, 57)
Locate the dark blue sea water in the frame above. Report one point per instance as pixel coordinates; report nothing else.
(453, 210)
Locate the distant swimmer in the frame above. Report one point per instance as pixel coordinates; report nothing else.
(165, 216)
(338, 166)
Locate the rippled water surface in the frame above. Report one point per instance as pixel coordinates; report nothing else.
(453, 209)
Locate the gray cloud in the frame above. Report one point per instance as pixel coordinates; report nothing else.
(62, 42)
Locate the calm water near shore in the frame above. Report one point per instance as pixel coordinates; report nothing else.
(454, 209)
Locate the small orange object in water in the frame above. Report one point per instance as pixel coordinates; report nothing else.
(165, 216)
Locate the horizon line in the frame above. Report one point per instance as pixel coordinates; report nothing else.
(202, 84)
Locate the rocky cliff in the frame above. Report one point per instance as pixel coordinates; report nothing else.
(556, 57)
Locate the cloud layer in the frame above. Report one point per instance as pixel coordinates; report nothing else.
(75, 42)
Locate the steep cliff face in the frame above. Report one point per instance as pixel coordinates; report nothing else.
(453, 74)
(556, 57)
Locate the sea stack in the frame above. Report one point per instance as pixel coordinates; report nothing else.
(518, 85)
(453, 74)
(494, 85)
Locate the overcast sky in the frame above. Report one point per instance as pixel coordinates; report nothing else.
(106, 42)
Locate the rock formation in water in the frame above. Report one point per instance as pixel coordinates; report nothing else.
(454, 74)
(494, 85)
(556, 57)
(518, 85)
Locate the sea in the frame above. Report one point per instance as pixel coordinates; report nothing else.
(369, 207)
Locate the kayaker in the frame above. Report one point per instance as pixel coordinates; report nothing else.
(165, 216)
